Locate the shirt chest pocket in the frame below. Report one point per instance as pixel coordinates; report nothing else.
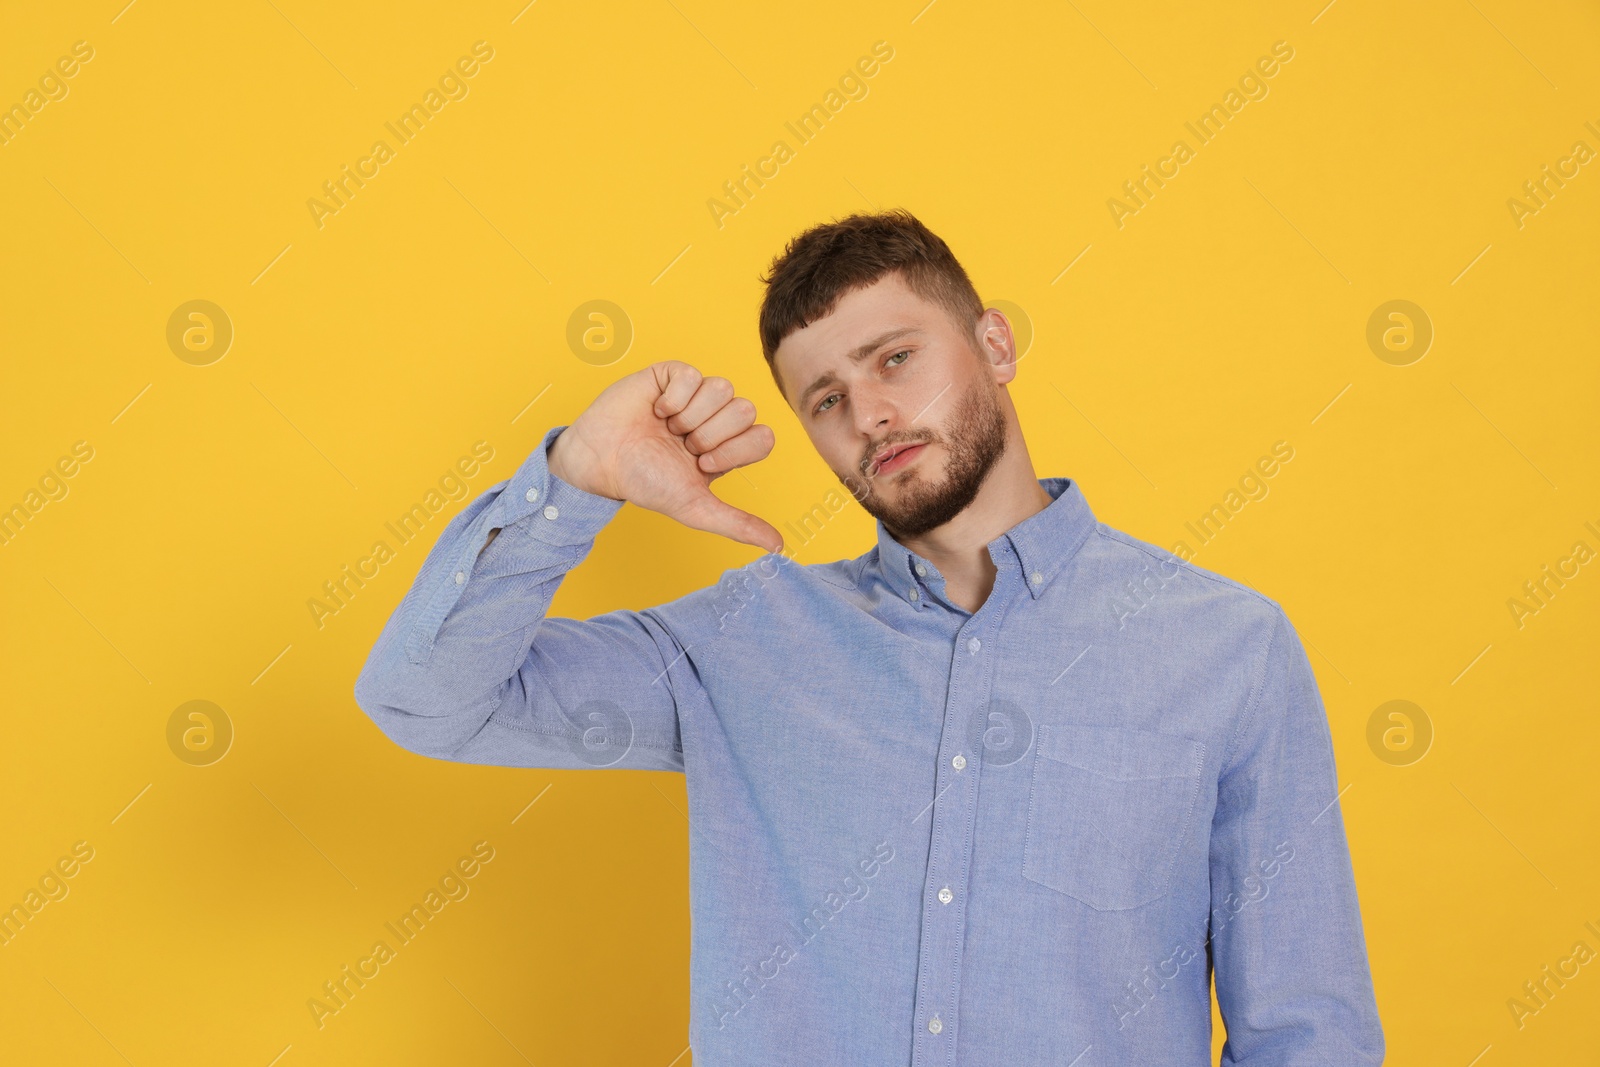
(1108, 810)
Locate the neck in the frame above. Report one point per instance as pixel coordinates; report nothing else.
(960, 548)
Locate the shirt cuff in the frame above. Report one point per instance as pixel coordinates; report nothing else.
(558, 512)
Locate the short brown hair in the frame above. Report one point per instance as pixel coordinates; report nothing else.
(827, 261)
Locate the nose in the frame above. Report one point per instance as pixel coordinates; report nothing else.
(874, 410)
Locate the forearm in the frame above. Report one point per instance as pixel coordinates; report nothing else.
(448, 654)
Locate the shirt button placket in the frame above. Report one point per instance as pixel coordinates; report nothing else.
(944, 925)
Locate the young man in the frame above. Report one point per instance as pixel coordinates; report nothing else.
(1006, 789)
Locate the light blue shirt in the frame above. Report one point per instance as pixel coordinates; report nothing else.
(920, 835)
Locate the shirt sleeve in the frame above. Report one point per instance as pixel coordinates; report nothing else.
(469, 669)
(1292, 978)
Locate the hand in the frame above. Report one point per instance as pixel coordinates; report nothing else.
(659, 438)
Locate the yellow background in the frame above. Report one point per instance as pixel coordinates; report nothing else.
(369, 354)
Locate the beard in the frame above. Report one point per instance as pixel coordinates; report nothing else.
(976, 441)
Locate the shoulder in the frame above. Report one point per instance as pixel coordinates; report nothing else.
(1221, 615)
(1119, 550)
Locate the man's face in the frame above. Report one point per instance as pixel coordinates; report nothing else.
(888, 371)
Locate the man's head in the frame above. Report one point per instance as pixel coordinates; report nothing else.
(878, 341)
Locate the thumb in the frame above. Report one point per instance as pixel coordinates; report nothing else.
(713, 515)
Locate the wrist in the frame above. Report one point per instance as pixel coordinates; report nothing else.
(559, 462)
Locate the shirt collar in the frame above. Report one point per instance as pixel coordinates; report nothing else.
(1042, 544)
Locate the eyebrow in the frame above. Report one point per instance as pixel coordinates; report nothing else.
(829, 378)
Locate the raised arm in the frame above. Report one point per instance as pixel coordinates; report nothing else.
(468, 668)
(1293, 983)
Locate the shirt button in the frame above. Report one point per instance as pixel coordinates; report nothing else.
(914, 594)
(959, 762)
(532, 494)
(922, 571)
(461, 576)
(934, 1025)
(945, 896)
(550, 512)
(1037, 577)
(973, 645)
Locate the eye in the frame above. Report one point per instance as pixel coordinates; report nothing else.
(825, 404)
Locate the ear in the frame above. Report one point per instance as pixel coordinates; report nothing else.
(995, 344)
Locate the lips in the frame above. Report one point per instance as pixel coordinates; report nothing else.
(893, 458)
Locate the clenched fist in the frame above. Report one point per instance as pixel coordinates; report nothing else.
(659, 438)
